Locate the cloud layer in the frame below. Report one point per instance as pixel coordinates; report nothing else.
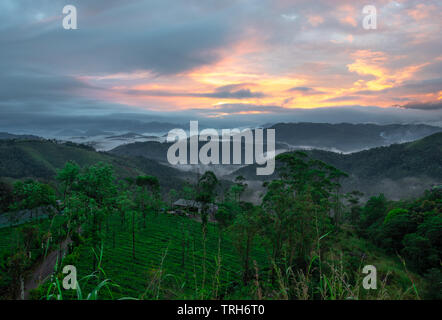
(250, 60)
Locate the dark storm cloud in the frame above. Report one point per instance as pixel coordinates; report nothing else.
(423, 106)
(41, 64)
(424, 86)
(305, 90)
(238, 94)
(40, 61)
(236, 108)
(222, 94)
(344, 98)
(302, 89)
(234, 91)
(178, 41)
(30, 85)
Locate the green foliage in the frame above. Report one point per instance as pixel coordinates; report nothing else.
(299, 205)
(148, 181)
(369, 169)
(32, 195)
(68, 176)
(373, 212)
(419, 252)
(246, 226)
(227, 211)
(395, 214)
(354, 213)
(159, 259)
(410, 228)
(206, 187)
(397, 224)
(21, 247)
(434, 284)
(40, 159)
(295, 245)
(6, 196)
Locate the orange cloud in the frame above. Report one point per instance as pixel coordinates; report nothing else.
(422, 11)
(372, 63)
(347, 15)
(245, 65)
(315, 20)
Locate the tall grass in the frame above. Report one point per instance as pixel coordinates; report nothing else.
(55, 292)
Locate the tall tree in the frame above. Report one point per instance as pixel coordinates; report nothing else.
(68, 177)
(206, 196)
(148, 195)
(244, 229)
(97, 184)
(299, 206)
(6, 196)
(32, 195)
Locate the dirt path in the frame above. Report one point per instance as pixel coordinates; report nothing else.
(45, 268)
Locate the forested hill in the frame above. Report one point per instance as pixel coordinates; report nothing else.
(393, 169)
(349, 137)
(10, 136)
(150, 150)
(343, 137)
(40, 159)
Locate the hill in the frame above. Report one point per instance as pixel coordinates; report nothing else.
(10, 136)
(343, 137)
(348, 137)
(149, 149)
(170, 255)
(158, 150)
(41, 158)
(398, 170)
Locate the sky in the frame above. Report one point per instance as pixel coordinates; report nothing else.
(242, 61)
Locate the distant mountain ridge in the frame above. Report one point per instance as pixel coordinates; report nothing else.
(330, 137)
(10, 136)
(405, 169)
(396, 170)
(346, 137)
(132, 126)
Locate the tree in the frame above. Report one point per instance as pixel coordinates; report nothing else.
(373, 212)
(244, 229)
(133, 232)
(206, 193)
(31, 195)
(30, 237)
(431, 228)
(206, 196)
(226, 213)
(277, 203)
(434, 284)
(298, 208)
(150, 182)
(188, 191)
(396, 225)
(68, 177)
(126, 205)
(353, 198)
(172, 197)
(6, 196)
(17, 265)
(419, 252)
(148, 195)
(238, 188)
(96, 184)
